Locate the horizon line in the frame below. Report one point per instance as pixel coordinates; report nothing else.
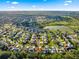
(38, 10)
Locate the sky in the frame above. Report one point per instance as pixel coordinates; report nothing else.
(39, 5)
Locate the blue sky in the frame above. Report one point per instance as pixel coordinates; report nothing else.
(45, 5)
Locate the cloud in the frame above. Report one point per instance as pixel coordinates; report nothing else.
(33, 6)
(15, 3)
(66, 4)
(12, 7)
(68, 1)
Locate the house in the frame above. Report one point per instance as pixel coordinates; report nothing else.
(46, 51)
(69, 37)
(70, 46)
(53, 50)
(53, 37)
(27, 37)
(34, 36)
(3, 45)
(60, 44)
(19, 34)
(38, 49)
(45, 39)
(34, 42)
(31, 49)
(33, 39)
(38, 36)
(15, 49)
